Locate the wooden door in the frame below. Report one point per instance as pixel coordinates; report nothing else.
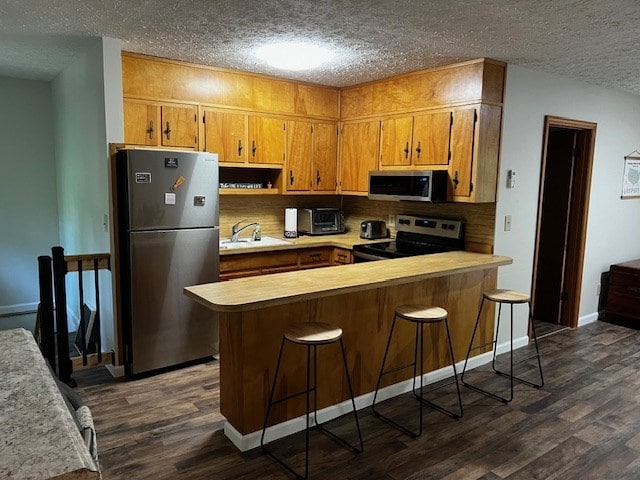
(298, 175)
(141, 123)
(325, 157)
(554, 216)
(462, 146)
(431, 134)
(226, 134)
(359, 155)
(179, 126)
(267, 141)
(395, 144)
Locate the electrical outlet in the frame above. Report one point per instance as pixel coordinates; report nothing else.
(392, 221)
(507, 223)
(105, 222)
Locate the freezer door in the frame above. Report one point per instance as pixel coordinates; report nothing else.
(170, 190)
(168, 328)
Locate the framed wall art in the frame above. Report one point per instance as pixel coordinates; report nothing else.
(631, 176)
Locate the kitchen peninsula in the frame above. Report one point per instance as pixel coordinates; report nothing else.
(360, 298)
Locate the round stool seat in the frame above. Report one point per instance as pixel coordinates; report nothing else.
(506, 296)
(421, 313)
(313, 333)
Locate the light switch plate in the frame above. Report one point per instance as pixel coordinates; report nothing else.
(507, 223)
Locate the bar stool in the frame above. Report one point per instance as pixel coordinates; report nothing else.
(419, 315)
(511, 298)
(310, 335)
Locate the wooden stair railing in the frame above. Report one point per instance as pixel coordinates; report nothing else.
(54, 339)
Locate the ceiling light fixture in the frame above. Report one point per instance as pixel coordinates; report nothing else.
(294, 55)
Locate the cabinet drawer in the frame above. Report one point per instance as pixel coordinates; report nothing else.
(342, 256)
(257, 261)
(315, 256)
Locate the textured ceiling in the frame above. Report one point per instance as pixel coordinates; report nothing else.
(592, 40)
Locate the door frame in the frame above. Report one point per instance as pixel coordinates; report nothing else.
(578, 215)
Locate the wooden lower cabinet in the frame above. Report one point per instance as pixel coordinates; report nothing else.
(250, 340)
(342, 256)
(263, 263)
(623, 294)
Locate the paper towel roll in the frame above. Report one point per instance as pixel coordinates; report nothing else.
(291, 222)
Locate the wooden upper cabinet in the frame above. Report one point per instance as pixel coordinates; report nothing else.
(395, 143)
(141, 123)
(325, 157)
(475, 153)
(359, 155)
(299, 156)
(160, 124)
(179, 126)
(267, 141)
(226, 134)
(462, 142)
(431, 139)
(312, 158)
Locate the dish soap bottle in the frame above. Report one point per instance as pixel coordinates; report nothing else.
(257, 234)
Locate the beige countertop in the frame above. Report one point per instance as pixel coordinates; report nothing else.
(39, 438)
(342, 240)
(281, 288)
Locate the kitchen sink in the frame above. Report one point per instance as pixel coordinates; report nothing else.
(226, 243)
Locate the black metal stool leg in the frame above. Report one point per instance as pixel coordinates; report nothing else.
(537, 355)
(311, 386)
(382, 373)
(384, 361)
(273, 389)
(432, 404)
(473, 336)
(510, 375)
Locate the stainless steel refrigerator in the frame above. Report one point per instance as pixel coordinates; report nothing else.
(168, 238)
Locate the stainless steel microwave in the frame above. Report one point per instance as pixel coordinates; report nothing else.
(409, 185)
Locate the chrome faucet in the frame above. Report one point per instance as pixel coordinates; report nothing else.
(236, 229)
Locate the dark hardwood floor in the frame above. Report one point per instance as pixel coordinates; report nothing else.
(584, 424)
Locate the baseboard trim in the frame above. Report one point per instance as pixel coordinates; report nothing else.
(587, 319)
(116, 371)
(252, 440)
(18, 309)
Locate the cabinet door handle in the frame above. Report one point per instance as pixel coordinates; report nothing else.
(456, 181)
(151, 130)
(167, 132)
(418, 150)
(406, 150)
(290, 177)
(239, 148)
(253, 148)
(318, 177)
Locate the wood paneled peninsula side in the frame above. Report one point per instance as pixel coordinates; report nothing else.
(360, 298)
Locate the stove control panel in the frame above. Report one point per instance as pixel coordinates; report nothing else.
(438, 227)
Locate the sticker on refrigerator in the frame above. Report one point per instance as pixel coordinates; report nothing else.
(178, 183)
(143, 177)
(169, 198)
(170, 162)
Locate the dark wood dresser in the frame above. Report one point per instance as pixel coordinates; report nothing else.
(623, 297)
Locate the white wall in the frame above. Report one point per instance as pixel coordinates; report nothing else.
(84, 124)
(613, 232)
(28, 212)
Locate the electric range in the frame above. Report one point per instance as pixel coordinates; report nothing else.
(415, 236)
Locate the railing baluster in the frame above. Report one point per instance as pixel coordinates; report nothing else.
(47, 330)
(96, 322)
(59, 272)
(82, 325)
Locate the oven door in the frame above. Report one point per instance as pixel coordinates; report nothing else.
(359, 257)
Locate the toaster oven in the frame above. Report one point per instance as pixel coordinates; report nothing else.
(320, 221)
